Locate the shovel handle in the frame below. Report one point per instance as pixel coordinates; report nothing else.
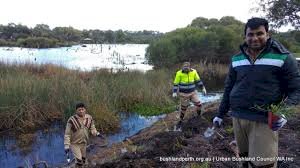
(216, 125)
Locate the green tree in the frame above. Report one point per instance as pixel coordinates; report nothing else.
(282, 12)
(37, 42)
(162, 53)
(42, 30)
(228, 42)
(20, 35)
(208, 40)
(13, 31)
(120, 36)
(229, 20)
(67, 34)
(109, 36)
(297, 36)
(97, 36)
(86, 33)
(200, 22)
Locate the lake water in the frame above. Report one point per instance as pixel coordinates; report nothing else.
(47, 145)
(93, 56)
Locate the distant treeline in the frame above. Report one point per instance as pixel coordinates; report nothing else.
(41, 36)
(208, 40)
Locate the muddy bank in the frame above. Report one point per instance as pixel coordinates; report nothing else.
(154, 146)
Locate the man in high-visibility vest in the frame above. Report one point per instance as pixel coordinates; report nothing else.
(186, 81)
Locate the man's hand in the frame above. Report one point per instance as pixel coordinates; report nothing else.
(277, 124)
(204, 90)
(174, 95)
(218, 121)
(67, 150)
(99, 135)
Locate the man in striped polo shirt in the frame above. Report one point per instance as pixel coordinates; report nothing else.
(263, 73)
(77, 134)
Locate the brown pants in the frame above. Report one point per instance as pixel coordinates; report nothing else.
(256, 140)
(79, 152)
(185, 99)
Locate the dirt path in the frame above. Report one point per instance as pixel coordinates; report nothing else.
(153, 146)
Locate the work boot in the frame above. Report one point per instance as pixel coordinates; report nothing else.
(84, 161)
(199, 112)
(282, 164)
(78, 166)
(199, 109)
(244, 164)
(178, 126)
(264, 166)
(79, 163)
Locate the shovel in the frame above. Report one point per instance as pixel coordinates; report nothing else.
(68, 158)
(210, 131)
(105, 141)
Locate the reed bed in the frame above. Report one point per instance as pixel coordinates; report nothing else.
(32, 96)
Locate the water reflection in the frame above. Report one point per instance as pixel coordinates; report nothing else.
(46, 145)
(131, 124)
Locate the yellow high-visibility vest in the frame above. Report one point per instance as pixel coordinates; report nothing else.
(186, 82)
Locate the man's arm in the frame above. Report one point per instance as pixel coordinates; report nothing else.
(176, 83)
(67, 137)
(229, 83)
(291, 80)
(198, 81)
(94, 131)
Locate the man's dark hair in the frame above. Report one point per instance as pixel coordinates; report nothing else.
(255, 22)
(79, 105)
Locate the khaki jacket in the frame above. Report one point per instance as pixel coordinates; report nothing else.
(77, 130)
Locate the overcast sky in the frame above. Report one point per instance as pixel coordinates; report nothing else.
(158, 15)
